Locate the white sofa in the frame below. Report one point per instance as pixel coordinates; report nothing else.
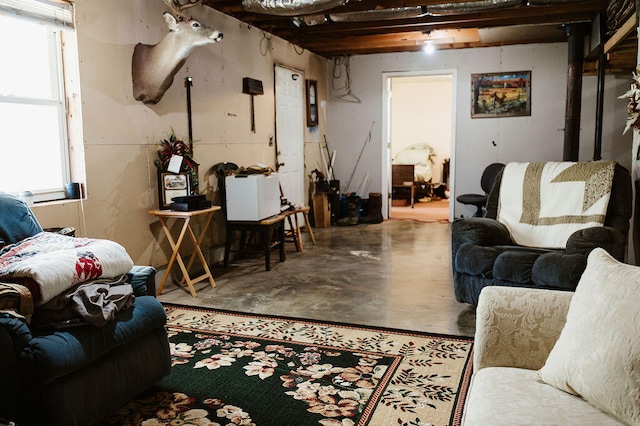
(526, 338)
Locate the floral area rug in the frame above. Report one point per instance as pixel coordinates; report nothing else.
(233, 368)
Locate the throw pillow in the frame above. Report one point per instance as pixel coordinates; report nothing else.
(597, 355)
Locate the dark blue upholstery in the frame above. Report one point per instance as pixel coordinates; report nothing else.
(484, 255)
(77, 376)
(142, 279)
(17, 222)
(58, 353)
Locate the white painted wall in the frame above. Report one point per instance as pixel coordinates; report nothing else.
(478, 142)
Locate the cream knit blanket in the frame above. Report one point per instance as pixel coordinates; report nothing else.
(542, 204)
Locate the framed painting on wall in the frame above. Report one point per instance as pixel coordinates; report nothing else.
(501, 94)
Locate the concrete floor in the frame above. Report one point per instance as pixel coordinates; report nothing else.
(394, 274)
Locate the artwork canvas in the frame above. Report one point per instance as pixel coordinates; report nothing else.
(502, 94)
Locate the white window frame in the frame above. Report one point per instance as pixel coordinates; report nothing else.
(58, 16)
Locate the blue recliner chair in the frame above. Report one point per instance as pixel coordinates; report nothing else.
(484, 253)
(78, 375)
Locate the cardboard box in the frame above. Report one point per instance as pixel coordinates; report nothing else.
(252, 197)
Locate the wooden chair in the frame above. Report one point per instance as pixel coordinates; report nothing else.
(402, 180)
(293, 234)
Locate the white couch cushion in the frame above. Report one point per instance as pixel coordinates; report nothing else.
(598, 353)
(502, 396)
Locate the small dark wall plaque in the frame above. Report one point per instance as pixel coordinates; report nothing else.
(312, 103)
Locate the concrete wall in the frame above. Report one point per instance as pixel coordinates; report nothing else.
(121, 135)
(476, 142)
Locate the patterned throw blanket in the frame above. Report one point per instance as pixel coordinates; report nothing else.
(542, 204)
(50, 263)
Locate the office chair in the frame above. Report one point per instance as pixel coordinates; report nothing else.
(486, 183)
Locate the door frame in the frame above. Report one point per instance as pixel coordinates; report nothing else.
(386, 133)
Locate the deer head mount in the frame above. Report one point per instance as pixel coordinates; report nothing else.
(154, 67)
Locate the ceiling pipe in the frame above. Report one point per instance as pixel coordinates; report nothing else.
(302, 8)
(445, 9)
(312, 20)
(379, 15)
(290, 7)
(551, 2)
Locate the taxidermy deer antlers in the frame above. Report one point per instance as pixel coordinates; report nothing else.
(177, 8)
(153, 67)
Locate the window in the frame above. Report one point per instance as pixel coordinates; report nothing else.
(34, 140)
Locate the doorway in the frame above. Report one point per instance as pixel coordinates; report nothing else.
(420, 130)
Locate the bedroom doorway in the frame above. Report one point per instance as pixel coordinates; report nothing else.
(420, 131)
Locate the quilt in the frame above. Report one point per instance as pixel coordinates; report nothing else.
(542, 204)
(49, 263)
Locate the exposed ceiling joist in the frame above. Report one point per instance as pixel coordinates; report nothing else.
(375, 33)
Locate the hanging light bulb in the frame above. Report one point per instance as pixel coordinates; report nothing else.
(428, 47)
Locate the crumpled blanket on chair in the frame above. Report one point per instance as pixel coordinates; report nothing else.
(50, 263)
(94, 302)
(542, 204)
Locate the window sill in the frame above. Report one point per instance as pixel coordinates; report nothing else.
(55, 202)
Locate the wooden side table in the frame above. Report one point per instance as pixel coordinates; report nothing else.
(265, 227)
(163, 216)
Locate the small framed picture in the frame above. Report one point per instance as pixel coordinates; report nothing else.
(171, 185)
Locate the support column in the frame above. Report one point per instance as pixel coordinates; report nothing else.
(602, 65)
(575, 34)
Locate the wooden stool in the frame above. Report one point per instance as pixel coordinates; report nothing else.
(265, 227)
(294, 230)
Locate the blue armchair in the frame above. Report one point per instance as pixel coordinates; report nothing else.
(77, 375)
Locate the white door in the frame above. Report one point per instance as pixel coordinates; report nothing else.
(289, 98)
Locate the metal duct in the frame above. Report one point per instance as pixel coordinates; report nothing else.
(378, 15)
(551, 2)
(471, 7)
(290, 7)
(312, 20)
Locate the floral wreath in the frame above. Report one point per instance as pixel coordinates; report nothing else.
(633, 121)
(174, 146)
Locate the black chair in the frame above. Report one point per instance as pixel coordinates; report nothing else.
(486, 183)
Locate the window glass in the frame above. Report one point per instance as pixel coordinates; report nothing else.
(28, 73)
(34, 141)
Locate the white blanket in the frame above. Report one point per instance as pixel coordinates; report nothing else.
(542, 204)
(54, 263)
